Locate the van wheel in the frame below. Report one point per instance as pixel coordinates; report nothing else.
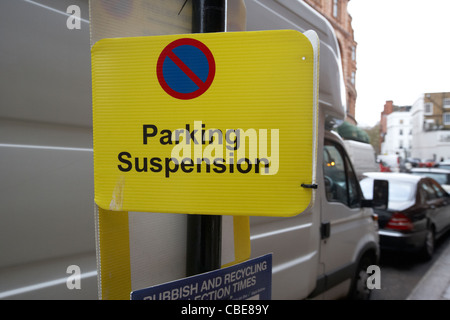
(359, 289)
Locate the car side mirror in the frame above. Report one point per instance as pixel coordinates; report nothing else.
(380, 194)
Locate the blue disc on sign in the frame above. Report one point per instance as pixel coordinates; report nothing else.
(185, 68)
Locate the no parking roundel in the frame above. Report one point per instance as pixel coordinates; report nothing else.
(186, 68)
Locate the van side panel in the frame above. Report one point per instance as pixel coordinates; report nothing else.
(295, 241)
(47, 216)
(294, 244)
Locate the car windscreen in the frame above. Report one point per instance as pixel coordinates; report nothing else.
(398, 190)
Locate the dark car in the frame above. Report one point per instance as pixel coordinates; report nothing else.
(442, 176)
(418, 212)
(415, 162)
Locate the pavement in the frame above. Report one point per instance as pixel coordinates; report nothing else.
(435, 285)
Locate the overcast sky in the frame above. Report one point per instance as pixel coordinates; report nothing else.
(403, 51)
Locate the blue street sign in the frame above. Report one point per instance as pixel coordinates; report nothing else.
(250, 280)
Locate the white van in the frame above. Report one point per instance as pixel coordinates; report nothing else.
(363, 157)
(47, 221)
(323, 253)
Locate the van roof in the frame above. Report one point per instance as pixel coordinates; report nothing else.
(297, 15)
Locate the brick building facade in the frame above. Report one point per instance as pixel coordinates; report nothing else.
(336, 13)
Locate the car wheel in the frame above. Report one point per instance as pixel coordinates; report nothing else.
(359, 289)
(428, 246)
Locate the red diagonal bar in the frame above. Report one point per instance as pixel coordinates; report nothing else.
(180, 64)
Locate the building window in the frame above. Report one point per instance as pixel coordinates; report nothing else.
(353, 77)
(428, 108)
(446, 118)
(401, 132)
(446, 103)
(335, 8)
(353, 53)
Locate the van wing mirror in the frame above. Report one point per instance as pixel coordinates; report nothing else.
(380, 194)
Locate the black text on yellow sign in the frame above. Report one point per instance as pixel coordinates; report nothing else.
(200, 150)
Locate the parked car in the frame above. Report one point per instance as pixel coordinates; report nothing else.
(414, 162)
(383, 166)
(444, 164)
(427, 163)
(418, 212)
(442, 176)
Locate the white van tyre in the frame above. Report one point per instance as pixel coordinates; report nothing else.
(359, 289)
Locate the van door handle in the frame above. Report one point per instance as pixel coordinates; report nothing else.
(324, 230)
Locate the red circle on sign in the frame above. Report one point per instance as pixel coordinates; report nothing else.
(202, 85)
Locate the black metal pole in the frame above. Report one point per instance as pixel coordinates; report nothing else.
(208, 16)
(204, 232)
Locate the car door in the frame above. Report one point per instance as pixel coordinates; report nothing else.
(441, 205)
(429, 199)
(345, 224)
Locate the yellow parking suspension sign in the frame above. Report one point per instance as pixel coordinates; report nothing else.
(216, 123)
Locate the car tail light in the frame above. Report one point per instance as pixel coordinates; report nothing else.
(399, 221)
